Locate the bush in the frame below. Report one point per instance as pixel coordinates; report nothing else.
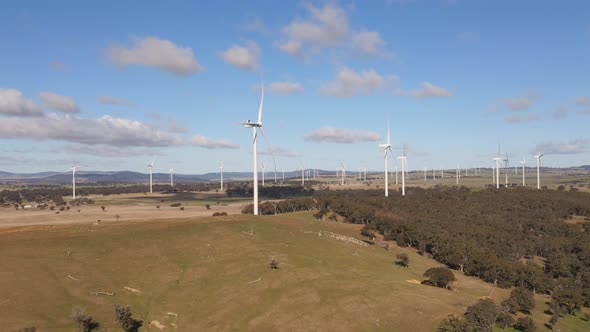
(175, 204)
(439, 277)
(483, 315)
(521, 299)
(274, 264)
(128, 323)
(85, 322)
(403, 260)
(217, 214)
(208, 206)
(525, 324)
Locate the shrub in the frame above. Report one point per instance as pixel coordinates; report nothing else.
(175, 204)
(439, 277)
(104, 208)
(85, 322)
(274, 264)
(525, 324)
(208, 206)
(403, 260)
(124, 317)
(217, 214)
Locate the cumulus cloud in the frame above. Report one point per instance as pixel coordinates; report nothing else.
(293, 48)
(582, 101)
(107, 151)
(243, 57)
(108, 100)
(429, 90)
(338, 135)
(285, 88)
(560, 112)
(349, 83)
(12, 102)
(59, 102)
(157, 53)
(577, 146)
(280, 152)
(519, 104)
(521, 118)
(207, 143)
(105, 130)
(369, 43)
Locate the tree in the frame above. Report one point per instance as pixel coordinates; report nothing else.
(569, 299)
(482, 315)
(208, 206)
(439, 277)
(125, 319)
(454, 324)
(521, 299)
(525, 324)
(85, 322)
(104, 208)
(402, 260)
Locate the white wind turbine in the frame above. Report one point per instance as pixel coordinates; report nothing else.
(386, 149)
(343, 172)
(255, 126)
(538, 158)
(403, 159)
(151, 169)
(497, 160)
(523, 162)
(221, 175)
(172, 177)
(302, 174)
(73, 168)
(506, 168)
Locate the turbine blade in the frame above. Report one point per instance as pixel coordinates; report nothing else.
(261, 103)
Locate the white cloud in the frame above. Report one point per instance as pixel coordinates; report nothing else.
(519, 104)
(243, 57)
(280, 152)
(429, 90)
(576, 146)
(370, 43)
(521, 118)
(108, 100)
(12, 102)
(582, 101)
(285, 88)
(105, 130)
(337, 135)
(207, 143)
(293, 48)
(349, 83)
(59, 102)
(157, 53)
(560, 112)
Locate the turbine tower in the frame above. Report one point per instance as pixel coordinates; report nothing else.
(255, 127)
(386, 147)
(523, 162)
(343, 172)
(302, 175)
(403, 159)
(221, 176)
(74, 181)
(172, 177)
(538, 157)
(151, 169)
(506, 168)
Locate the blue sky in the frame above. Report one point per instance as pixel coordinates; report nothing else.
(111, 84)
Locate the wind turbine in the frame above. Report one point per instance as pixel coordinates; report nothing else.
(387, 147)
(151, 168)
(424, 174)
(255, 126)
(498, 159)
(523, 162)
(506, 168)
(74, 181)
(343, 172)
(302, 175)
(221, 175)
(403, 159)
(538, 157)
(172, 177)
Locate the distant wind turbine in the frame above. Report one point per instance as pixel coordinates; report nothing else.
(506, 168)
(538, 158)
(386, 149)
(172, 177)
(151, 169)
(343, 173)
(221, 175)
(403, 159)
(523, 162)
(302, 175)
(74, 181)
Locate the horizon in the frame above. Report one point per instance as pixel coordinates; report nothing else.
(174, 81)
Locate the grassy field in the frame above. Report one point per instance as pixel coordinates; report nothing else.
(215, 276)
